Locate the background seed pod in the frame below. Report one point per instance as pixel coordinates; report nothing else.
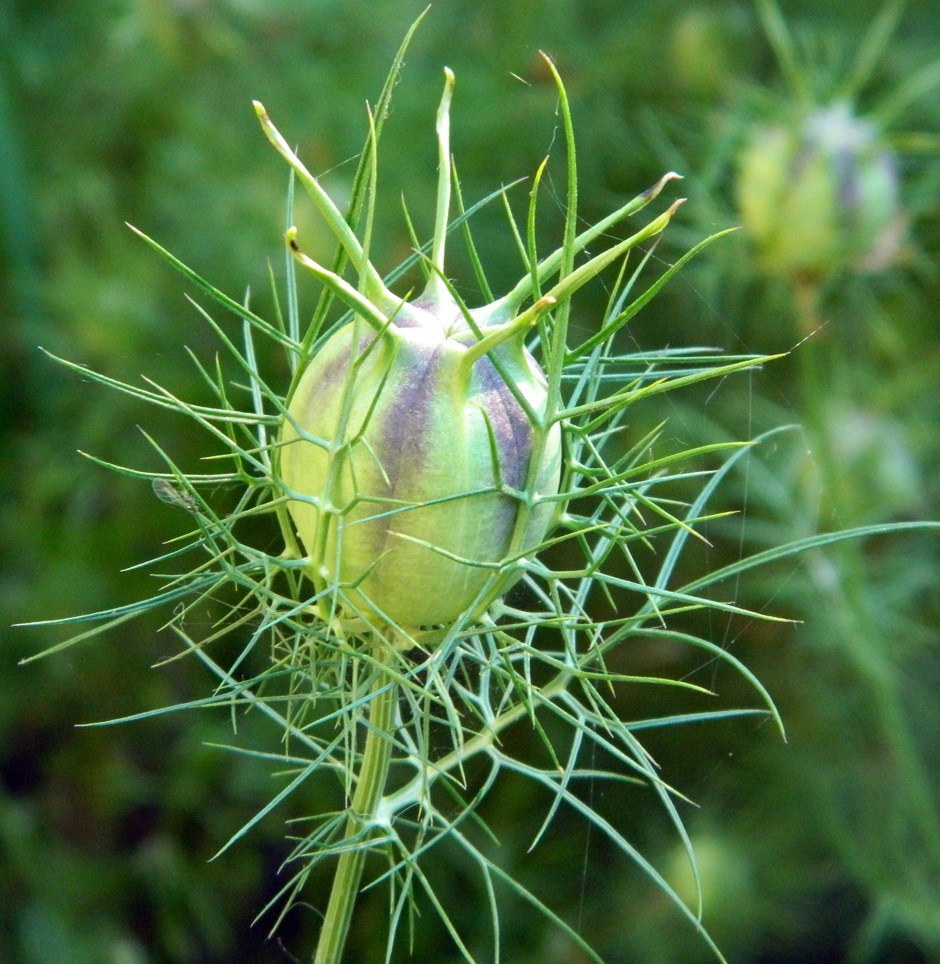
(820, 195)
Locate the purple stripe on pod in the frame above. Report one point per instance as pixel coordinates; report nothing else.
(332, 364)
(408, 401)
(510, 424)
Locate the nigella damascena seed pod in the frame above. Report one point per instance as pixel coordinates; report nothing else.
(408, 457)
(421, 449)
(821, 195)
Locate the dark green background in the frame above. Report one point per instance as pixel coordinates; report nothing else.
(826, 848)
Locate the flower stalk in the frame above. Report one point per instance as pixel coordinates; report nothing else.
(370, 787)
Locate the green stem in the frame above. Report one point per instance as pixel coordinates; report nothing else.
(850, 602)
(813, 380)
(369, 789)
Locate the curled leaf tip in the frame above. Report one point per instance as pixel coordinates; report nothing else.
(655, 189)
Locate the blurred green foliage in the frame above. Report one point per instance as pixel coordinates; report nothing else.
(823, 848)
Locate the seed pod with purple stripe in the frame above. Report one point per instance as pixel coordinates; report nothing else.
(416, 463)
(421, 449)
(821, 194)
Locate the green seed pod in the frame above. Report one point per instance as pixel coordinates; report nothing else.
(820, 196)
(413, 462)
(419, 454)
